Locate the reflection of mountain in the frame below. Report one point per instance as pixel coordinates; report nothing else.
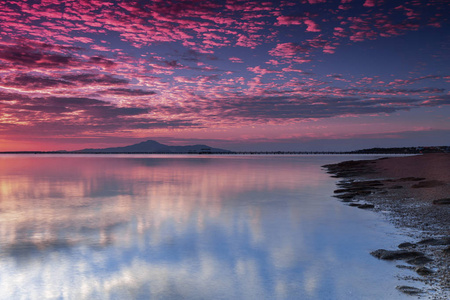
(155, 147)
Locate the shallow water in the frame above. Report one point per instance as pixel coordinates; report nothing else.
(186, 227)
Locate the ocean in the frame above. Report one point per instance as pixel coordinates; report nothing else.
(187, 227)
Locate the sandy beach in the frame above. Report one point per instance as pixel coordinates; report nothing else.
(413, 192)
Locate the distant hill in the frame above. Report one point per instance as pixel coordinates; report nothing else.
(155, 147)
(404, 150)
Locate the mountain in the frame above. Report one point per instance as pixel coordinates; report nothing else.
(155, 147)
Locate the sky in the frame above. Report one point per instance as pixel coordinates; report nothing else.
(241, 75)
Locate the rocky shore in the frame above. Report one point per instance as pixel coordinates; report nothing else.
(413, 192)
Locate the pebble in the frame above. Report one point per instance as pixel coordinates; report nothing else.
(423, 271)
(409, 289)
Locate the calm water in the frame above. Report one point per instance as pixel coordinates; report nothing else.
(186, 227)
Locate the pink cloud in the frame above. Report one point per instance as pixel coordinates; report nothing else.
(273, 62)
(236, 60)
(261, 71)
(287, 50)
(291, 69)
(196, 80)
(249, 42)
(344, 7)
(369, 3)
(100, 48)
(301, 60)
(316, 1)
(289, 20)
(413, 80)
(311, 26)
(63, 55)
(329, 49)
(435, 24)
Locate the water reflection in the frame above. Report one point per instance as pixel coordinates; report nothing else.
(183, 227)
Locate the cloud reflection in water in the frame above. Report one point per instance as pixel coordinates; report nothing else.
(179, 227)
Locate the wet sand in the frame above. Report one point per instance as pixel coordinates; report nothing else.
(413, 192)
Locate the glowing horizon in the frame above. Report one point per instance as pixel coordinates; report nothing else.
(288, 75)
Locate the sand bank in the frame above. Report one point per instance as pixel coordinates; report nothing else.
(413, 192)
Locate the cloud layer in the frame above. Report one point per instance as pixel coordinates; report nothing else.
(80, 68)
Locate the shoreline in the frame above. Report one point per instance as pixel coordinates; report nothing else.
(411, 192)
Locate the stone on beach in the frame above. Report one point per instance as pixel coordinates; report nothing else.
(409, 289)
(406, 245)
(444, 201)
(419, 261)
(428, 184)
(395, 254)
(366, 206)
(411, 179)
(436, 241)
(396, 187)
(423, 271)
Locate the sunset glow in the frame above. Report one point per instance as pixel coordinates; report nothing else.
(242, 75)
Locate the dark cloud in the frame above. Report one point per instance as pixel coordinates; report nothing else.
(173, 64)
(283, 107)
(195, 56)
(101, 61)
(437, 100)
(76, 102)
(398, 92)
(40, 82)
(99, 79)
(155, 123)
(32, 82)
(31, 57)
(6, 96)
(112, 112)
(87, 107)
(129, 92)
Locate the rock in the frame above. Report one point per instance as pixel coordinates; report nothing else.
(411, 179)
(446, 250)
(360, 185)
(363, 193)
(428, 184)
(409, 290)
(366, 206)
(444, 201)
(356, 191)
(429, 241)
(395, 254)
(346, 200)
(354, 204)
(378, 253)
(350, 168)
(405, 267)
(423, 271)
(419, 261)
(436, 242)
(346, 196)
(396, 187)
(406, 245)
